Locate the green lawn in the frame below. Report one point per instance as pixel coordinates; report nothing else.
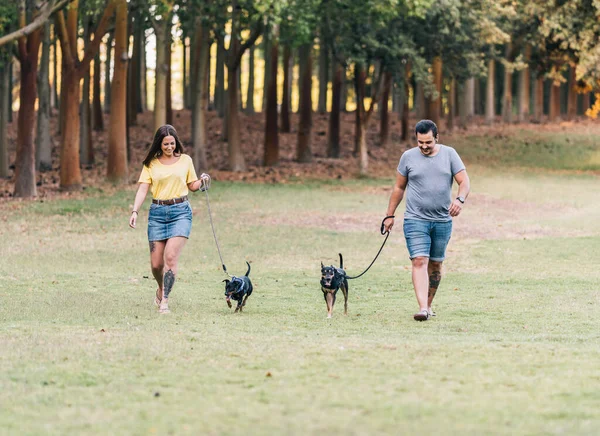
(514, 348)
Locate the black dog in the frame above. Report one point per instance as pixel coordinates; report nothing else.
(239, 289)
(332, 279)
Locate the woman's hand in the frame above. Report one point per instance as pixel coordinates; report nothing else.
(133, 219)
(204, 181)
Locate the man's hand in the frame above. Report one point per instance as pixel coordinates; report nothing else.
(455, 208)
(388, 224)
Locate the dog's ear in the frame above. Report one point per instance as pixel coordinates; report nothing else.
(322, 266)
(226, 281)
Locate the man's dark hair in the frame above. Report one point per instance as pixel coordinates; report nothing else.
(426, 126)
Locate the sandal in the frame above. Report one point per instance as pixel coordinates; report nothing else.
(423, 315)
(163, 308)
(156, 299)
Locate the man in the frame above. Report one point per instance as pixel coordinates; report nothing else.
(426, 173)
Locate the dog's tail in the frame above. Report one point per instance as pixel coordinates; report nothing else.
(341, 261)
(248, 272)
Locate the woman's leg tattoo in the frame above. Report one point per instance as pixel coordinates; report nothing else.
(168, 282)
(152, 246)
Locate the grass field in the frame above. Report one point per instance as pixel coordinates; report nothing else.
(515, 348)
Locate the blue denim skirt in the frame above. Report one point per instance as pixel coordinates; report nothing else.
(165, 222)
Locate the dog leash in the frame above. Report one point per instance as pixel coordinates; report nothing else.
(215, 234)
(387, 235)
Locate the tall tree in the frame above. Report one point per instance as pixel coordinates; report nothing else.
(116, 167)
(271, 150)
(286, 103)
(303, 147)
(43, 137)
(73, 71)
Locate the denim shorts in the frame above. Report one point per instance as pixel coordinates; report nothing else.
(165, 222)
(427, 238)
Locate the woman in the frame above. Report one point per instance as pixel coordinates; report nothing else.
(169, 174)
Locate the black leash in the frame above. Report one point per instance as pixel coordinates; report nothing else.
(387, 233)
(214, 234)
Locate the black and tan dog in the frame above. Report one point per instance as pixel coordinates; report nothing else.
(238, 289)
(332, 279)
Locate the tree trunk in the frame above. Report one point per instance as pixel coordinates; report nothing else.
(25, 183)
(571, 94)
(463, 110)
(434, 103)
(554, 112)
(143, 96)
(107, 76)
(96, 101)
(303, 147)
(162, 70)
(70, 173)
(135, 70)
(333, 143)
(43, 139)
(469, 98)
(220, 78)
(169, 95)
(360, 145)
(236, 156)
(4, 109)
(250, 94)
(384, 128)
(323, 76)
(489, 96)
(200, 104)
(54, 92)
(405, 108)
(585, 102)
(451, 104)
(287, 90)
(538, 101)
(271, 150)
(116, 167)
(507, 100)
(185, 82)
(266, 52)
(344, 97)
(420, 109)
(524, 88)
(85, 139)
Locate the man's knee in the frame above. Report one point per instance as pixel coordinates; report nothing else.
(420, 262)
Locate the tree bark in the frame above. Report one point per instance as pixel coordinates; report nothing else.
(585, 102)
(323, 76)
(250, 94)
(360, 143)
(451, 104)
(135, 69)
(303, 147)
(185, 82)
(107, 70)
(271, 150)
(43, 157)
(162, 70)
(434, 104)
(169, 94)
(384, 128)
(420, 108)
(116, 167)
(4, 109)
(571, 94)
(538, 102)
(143, 97)
(287, 90)
(489, 96)
(28, 47)
(85, 140)
(405, 108)
(266, 53)
(96, 100)
(507, 100)
(524, 88)
(200, 104)
(220, 78)
(469, 98)
(54, 92)
(554, 111)
(333, 143)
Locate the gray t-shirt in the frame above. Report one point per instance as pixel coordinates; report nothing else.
(429, 182)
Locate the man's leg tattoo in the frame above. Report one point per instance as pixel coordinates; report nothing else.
(168, 282)
(434, 281)
(152, 246)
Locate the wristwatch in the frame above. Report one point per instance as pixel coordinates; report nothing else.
(461, 199)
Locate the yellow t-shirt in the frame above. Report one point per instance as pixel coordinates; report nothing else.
(169, 181)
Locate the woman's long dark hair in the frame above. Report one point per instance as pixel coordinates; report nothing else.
(156, 147)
